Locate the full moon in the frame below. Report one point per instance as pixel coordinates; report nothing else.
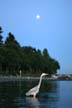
(37, 16)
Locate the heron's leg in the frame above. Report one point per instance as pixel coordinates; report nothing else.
(34, 95)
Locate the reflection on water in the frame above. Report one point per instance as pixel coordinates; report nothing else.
(12, 94)
(32, 102)
(53, 94)
(47, 97)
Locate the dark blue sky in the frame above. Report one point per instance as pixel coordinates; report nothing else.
(52, 31)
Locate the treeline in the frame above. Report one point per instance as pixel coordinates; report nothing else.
(14, 57)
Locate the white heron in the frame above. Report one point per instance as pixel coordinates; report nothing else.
(33, 92)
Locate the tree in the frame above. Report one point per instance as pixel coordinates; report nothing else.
(11, 41)
(1, 42)
(12, 56)
(1, 50)
(50, 65)
(45, 53)
(53, 66)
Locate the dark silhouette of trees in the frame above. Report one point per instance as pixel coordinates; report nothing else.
(1, 50)
(12, 55)
(29, 60)
(1, 42)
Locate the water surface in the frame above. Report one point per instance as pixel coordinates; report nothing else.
(53, 94)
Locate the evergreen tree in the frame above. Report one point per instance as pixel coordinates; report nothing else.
(1, 42)
(1, 50)
(14, 58)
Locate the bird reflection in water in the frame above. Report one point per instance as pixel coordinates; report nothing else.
(32, 102)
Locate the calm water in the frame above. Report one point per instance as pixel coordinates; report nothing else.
(53, 94)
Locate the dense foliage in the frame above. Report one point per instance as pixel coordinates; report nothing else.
(29, 60)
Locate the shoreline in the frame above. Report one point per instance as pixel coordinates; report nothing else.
(18, 78)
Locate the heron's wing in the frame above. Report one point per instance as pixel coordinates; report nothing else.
(32, 91)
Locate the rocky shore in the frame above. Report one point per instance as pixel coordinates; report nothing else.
(62, 77)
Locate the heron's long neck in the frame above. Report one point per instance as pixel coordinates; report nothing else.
(40, 81)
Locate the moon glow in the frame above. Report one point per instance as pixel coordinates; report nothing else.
(37, 16)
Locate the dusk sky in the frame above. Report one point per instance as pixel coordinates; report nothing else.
(53, 30)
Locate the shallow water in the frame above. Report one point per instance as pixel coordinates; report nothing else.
(52, 94)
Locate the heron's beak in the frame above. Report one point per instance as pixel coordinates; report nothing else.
(47, 74)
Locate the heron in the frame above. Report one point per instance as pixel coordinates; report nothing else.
(33, 92)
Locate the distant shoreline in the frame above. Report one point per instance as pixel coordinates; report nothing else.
(18, 78)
